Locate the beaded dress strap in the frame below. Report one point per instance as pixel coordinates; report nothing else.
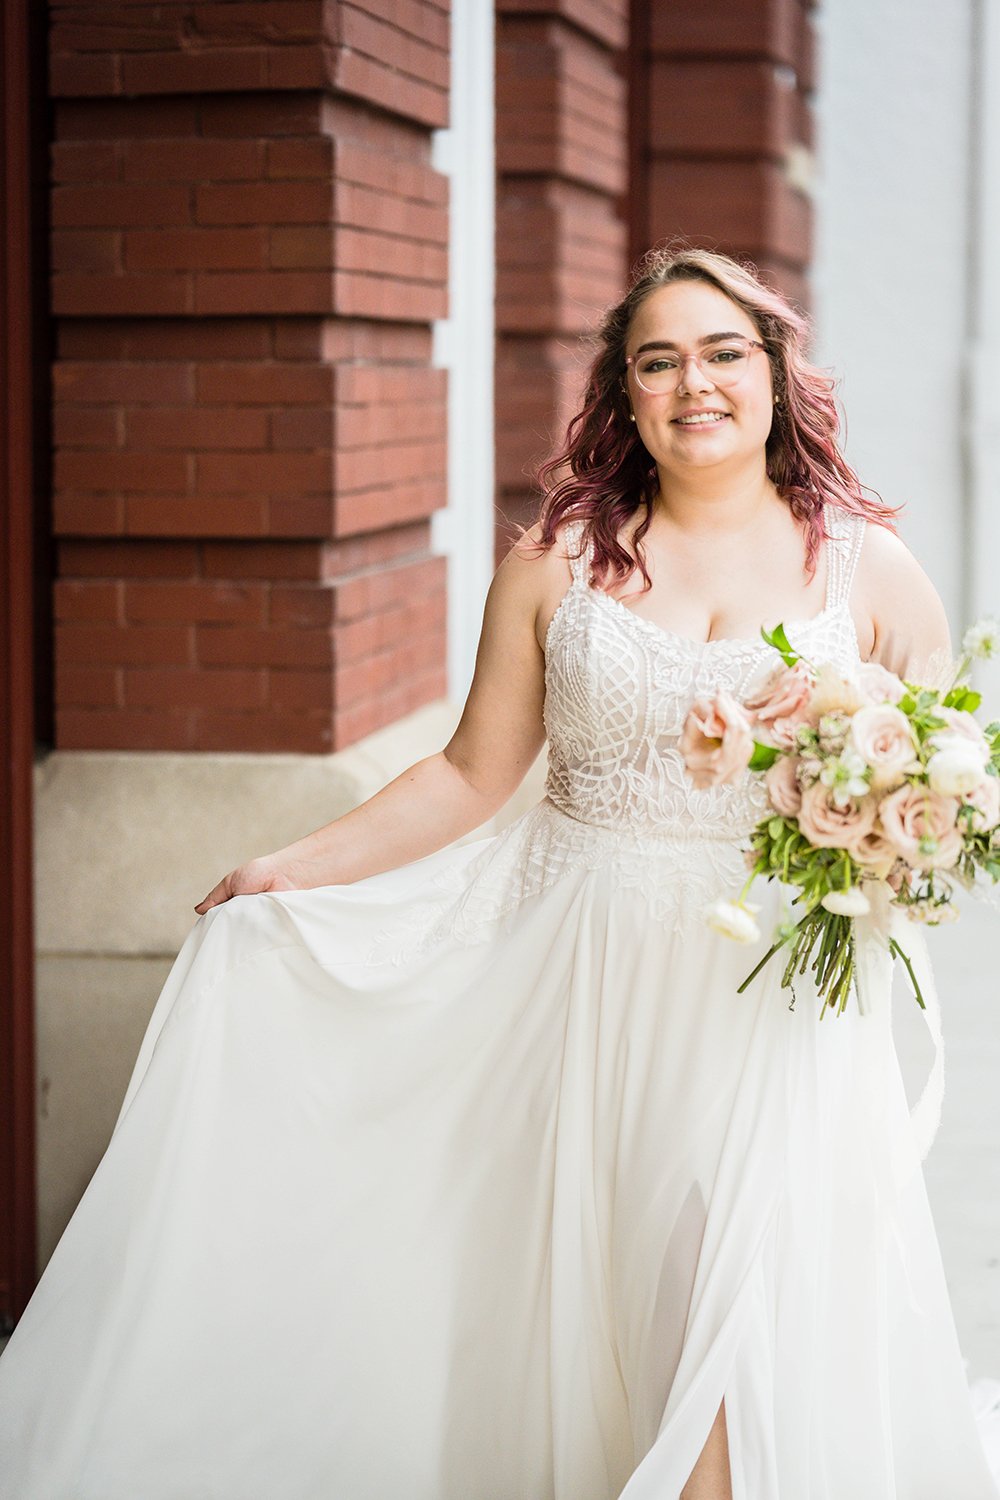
(847, 533)
(579, 566)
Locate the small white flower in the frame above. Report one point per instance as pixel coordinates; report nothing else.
(983, 638)
(733, 919)
(846, 776)
(849, 903)
(932, 913)
(956, 767)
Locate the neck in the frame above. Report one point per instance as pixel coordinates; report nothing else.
(706, 503)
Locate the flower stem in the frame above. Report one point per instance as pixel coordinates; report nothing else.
(897, 952)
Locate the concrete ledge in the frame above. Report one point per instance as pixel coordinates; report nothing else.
(127, 843)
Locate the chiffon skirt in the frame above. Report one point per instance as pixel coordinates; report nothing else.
(500, 1213)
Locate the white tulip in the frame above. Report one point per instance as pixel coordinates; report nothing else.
(733, 920)
(849, 903)
(956, 767)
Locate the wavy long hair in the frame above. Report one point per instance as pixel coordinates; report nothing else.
(603, 472)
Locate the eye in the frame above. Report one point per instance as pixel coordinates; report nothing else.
(726, 356)
(661, 362)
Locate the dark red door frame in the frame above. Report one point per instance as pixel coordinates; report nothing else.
(17, 719)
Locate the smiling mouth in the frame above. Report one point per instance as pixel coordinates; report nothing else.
(703, 419)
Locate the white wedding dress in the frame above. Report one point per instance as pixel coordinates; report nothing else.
(477, 1180)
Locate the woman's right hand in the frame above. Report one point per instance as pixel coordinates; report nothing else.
(268, 873)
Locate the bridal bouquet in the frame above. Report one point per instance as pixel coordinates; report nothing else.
(883, 793)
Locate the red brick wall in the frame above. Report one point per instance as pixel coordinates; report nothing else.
(561, 241)
(249, 245)
(722, 129)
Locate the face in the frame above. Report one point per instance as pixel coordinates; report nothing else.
(684, 314)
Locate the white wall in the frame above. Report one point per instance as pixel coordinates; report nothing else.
(891, 269)
(463, 342)
(907, 301)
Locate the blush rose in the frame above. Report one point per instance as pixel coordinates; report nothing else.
(878, 684)
(783, 789)
(882, 736)
(717, 740)
(830, 826)
(913, 813)
(985, 798)
(779, 703)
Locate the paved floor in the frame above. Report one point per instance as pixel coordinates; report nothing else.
(963, 1169)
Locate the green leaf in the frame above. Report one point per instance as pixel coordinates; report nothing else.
(779, 640)
(763, 756)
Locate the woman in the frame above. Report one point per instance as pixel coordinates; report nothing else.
(468, 1175)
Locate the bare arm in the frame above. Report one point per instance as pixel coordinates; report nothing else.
(448, 794)
(911, 634)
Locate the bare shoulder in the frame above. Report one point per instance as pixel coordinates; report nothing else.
(909, 625)
(538, 575)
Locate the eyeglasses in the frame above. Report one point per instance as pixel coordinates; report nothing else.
(658, 371)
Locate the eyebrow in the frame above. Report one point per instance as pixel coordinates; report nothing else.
(710, 338)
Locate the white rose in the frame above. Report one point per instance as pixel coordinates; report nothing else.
(956, 767)
(882, 736)
(960, 725)
(849, 903)
(733, 921)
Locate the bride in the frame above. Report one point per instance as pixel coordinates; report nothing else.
(461, 1171)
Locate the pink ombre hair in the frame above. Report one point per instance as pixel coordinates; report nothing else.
(610, 471)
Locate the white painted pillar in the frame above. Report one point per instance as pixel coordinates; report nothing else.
(981, 435)
(463, 343)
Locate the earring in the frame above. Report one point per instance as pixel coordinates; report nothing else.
(777, 400)
(631, 416)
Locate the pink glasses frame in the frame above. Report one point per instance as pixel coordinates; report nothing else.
(630, 360)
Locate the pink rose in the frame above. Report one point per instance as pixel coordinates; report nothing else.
(783, 790)
(779, 702)
(874, 850)
(878, 684)
(831, 827)
(914, 813)
(717, 741)
(882, 736)
(985, 798)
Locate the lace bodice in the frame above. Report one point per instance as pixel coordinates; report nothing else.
(618, 689)
(617, 797)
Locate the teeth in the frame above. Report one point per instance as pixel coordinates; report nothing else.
(709, 416)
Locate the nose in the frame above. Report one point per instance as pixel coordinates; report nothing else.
(699, 381)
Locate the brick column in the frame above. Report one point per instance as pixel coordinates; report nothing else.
(249, 247)
(561, 243)
(722, 130)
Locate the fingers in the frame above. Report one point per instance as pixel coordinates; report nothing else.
(216, 896)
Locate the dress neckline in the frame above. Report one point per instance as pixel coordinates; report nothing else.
(837, 603)
(694, 645)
